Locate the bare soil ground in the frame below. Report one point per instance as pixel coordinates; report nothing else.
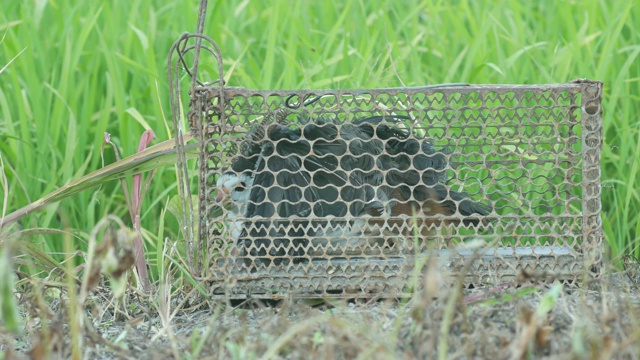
(509, 322)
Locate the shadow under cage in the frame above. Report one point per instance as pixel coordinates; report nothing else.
(343, 193)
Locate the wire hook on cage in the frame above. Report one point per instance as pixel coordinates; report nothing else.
(279, 115)
(305, 101)
(182, 47)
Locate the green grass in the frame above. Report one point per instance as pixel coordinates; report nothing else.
(91, 67)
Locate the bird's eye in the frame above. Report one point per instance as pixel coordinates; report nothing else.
(240, 187)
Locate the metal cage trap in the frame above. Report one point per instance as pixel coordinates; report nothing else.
(349, 193)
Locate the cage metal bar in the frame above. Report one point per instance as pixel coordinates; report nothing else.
(591, 147)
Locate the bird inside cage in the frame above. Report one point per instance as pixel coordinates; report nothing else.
(318, 183)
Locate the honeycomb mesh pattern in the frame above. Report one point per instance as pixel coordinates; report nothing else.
(345, 193)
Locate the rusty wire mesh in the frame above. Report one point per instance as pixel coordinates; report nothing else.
(350, 192)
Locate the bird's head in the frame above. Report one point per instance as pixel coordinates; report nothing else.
(233, 191)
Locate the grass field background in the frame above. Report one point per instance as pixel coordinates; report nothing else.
(77, 69)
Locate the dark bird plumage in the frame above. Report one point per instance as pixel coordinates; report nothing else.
(322, 178)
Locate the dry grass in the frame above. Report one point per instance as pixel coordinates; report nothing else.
(522, 320)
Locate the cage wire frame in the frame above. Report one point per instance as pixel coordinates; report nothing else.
(574, 238)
